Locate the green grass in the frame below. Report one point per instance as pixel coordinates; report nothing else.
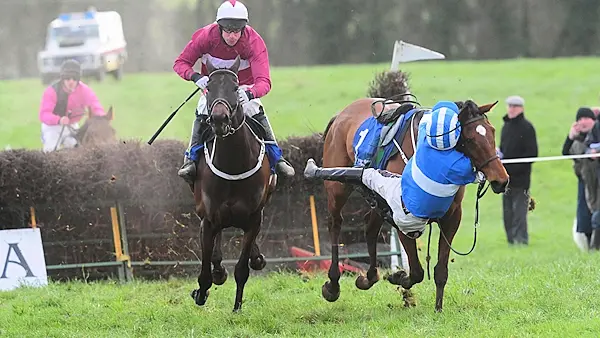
(546, 289)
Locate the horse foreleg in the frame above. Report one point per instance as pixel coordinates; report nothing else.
(371, 234)
(416, 272)
(219, 273)
(337, 195)
(448, 228)
(242, 270)
(205, 279)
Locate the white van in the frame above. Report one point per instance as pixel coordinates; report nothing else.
(95, 39)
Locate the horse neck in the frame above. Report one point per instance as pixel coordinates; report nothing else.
(236, 153)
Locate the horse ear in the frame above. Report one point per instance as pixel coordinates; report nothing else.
(487, 107)
(209, 66)
(236, 65)
(110, 115)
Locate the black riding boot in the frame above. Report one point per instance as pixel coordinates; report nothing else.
(595, 240)
(340, 174)
(188, 169)
(283, 167)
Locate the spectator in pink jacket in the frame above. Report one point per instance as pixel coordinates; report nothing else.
(221, 43)
(63, 104)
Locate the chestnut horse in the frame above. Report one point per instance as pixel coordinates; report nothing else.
(97, 130)
(477, 143)
(232, 186)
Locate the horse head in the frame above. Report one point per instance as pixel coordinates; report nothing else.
(97, 130)
(225, 114)
(477, 140)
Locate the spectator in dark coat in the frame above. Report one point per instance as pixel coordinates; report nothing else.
(574, 145)
(517, 140)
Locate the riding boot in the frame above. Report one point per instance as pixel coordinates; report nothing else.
(282, 167)
(595, 240)
(188, 169)
(340, 174)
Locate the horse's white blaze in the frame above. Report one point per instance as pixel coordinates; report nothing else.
(481, 130)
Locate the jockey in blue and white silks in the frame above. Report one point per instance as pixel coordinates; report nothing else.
(431, 177)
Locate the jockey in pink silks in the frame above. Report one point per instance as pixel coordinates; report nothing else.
(63, 104)
(221, 42)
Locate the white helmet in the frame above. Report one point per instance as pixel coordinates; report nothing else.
(232, 14)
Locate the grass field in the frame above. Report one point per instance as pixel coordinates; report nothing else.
(546, 289)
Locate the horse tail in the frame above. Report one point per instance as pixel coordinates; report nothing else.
(329, 126)
(388, 84)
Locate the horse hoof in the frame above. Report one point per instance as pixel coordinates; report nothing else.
(400, 278)
(363, 283)
(198, 298)
(219, 276)
(329, 295)
(258, 263)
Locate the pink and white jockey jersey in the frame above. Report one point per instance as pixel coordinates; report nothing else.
(57, 103)
(207, 44)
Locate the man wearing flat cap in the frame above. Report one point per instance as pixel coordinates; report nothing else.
(517, 140)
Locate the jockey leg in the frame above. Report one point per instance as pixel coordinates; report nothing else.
(255, 110)
(51, 135)
(188, 169)
(339, 174)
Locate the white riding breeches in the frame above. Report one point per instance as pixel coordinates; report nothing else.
(250, 109)
(51, 136)
(391, 190)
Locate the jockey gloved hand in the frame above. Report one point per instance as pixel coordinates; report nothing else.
(64, 120)
(200, 81)
(244, 96)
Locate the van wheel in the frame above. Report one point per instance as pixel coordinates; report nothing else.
(118, 73)
(100, 75)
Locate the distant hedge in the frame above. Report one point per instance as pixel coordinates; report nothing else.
(72, 191)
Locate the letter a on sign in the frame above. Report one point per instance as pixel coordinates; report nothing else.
(22, 259)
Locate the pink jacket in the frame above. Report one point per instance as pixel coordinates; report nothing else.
(207, 44)
(51, 110)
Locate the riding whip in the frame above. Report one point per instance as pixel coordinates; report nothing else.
(171, 117)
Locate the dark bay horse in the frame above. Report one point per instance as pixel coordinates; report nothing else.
(476, 141)
(97, 130)
(232, 186)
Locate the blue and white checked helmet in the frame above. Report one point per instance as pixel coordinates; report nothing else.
(443, 129)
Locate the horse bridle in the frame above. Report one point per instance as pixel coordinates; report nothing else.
(229, 130)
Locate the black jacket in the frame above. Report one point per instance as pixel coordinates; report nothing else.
(518, 140)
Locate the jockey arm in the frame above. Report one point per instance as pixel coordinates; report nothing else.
(188, 57)
(462, 173)
(259, 63)
(48, 104)
(92, 102)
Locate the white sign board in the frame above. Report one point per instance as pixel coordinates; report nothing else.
(22, 259)
(406, 52)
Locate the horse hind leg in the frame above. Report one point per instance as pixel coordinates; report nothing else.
(219, 273)
(371, 233)
(337, 195)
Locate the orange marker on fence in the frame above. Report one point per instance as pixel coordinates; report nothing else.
(116, 232)
(33, 222)
(315, 226)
